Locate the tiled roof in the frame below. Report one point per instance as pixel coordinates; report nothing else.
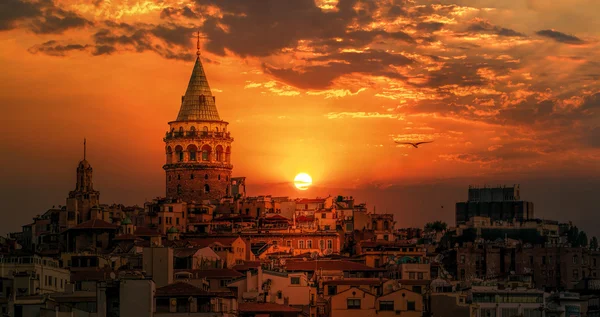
(213, 273)
(95, 224)
(205, 242)
(180, 289)
(127, 236)
(146, 232)
(198, 102)
(356, 281)
(265, 307)
(90, 275)
(185, 252)
(246, 266)
(310, 201)
(277, 217)
(305, 219)
(328, 265)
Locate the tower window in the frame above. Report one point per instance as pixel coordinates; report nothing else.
(206, 188)
(178, 176)
(192, 176)
(219, 178)
(205, 176)
(178, 189)
(169, 178)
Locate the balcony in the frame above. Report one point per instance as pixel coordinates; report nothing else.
(197, 135)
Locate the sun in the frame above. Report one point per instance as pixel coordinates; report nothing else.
(302, 181)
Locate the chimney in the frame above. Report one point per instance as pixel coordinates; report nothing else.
(248, 278)
(259, 279)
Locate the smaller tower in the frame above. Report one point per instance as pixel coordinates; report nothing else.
(81, 200)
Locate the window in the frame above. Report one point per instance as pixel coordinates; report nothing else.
(192, 155)
(288, 243)
(323, 215)
(331, 289)
(191, 176)
(462, 259)
(178, 177)
(205, 176)
(309, 244)
(301, 244)
(295, 280)
(322, 244)
(386, 305)
(417, 289)
(206, 188)
(411, 275)
(488, 312)
(330, 244)
(224, 283)
(159, 221)
(576, 274)
(177, 222)
(420, 275)
(219, 177)
(353, 303)
(410, 305)
(205, 155)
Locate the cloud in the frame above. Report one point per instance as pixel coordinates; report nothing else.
(53, 48)
(42, 17)
(13, 11)
(363, 115)
(561, 37)
(172, 13)
(483, 26)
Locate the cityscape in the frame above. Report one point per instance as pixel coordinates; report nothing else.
(207, 246)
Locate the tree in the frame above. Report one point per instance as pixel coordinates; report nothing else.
(594, 243)
(582, 239)
(437, 226)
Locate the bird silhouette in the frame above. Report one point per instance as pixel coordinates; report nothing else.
(416, 145)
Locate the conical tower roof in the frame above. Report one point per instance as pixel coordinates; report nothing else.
(198, 102)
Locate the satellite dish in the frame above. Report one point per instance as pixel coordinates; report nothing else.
(112, 275)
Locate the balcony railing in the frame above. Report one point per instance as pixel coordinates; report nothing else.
(197, 134)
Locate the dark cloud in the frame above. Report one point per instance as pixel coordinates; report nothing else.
(54, 48)
(430, 26)
(42, 17)
(174, 34)
(171, 12)
(481, 26)
(561, 37)
(370, 62)
(56, 21)
(13, 11)
(592, 137)
(103, 50)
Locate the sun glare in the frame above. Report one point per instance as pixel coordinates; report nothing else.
(302, 181)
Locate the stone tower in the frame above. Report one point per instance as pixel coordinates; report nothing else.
(84, 197)
(198, 145)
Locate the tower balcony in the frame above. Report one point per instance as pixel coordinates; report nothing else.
(198, 135)
(198, 165)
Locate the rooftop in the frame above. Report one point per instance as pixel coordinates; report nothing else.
(266, 307)
(328, 265)
(198, 104)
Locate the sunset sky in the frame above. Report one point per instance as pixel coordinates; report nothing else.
(509, 90)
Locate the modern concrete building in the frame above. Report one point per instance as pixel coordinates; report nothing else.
(497, 203)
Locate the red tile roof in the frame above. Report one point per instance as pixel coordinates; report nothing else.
(356, 281)
(146, 232)
(310, 201)
(95, 224)
(208, 241)
(328, 265)
(246, 266)
(125, 237)
(213, 273)
(266, 307)
(277, 217)
(305, 219)
(180, 289)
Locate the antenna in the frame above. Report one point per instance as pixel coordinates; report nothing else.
(84, 148)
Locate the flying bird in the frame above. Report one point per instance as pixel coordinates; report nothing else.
(416, 145)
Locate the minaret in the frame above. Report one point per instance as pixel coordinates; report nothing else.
(198, 146)
(84, 197)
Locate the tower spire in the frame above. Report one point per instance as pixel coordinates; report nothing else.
(84, 148)
(198, 45)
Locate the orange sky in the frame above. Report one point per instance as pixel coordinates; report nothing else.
(509, 92)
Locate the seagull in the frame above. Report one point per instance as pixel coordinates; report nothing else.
(416, 145)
